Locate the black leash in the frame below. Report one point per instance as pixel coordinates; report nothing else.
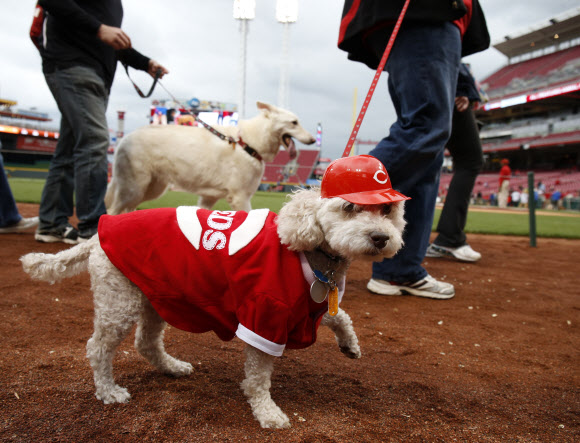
(232, 141)
(155, 80)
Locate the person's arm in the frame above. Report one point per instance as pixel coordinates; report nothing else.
(135, 59)
(73, 16)
(114, 37)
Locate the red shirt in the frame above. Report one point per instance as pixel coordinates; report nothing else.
(504, 174)
(221, 271)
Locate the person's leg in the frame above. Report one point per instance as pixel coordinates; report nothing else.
(502, 196)
(82, 99)
(464, 146)
(9, 214)
(423, 69)
(56, 201)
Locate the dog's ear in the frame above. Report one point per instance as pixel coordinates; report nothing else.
(265, 107)
(398, 215)
(298, 226)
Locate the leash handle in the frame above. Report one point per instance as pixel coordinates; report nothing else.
(155, 79)
(382, 64)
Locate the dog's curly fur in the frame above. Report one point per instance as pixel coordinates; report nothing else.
(306, 223)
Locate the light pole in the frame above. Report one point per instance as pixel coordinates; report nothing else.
(286, 13)
(244, 10)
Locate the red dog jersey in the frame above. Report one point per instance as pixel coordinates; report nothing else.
(221, 271)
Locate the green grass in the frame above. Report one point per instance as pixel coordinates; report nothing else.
(563, 224)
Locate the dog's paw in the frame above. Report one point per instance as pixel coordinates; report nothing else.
(274, 418)
(178, 368)
(115, 395)
(351, 351)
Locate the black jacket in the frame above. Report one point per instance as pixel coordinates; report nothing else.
(70, 37)
(361, 18)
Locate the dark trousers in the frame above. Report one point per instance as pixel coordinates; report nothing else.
(9, 214)
(423, 69)
(78, 170)
(464, 145)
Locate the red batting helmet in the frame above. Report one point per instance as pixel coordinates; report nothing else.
(361, 179)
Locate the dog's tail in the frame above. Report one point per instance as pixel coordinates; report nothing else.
(55, 267)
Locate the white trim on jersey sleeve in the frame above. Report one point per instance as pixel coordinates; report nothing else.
(248, 230)
(189, 224)
(253, 339)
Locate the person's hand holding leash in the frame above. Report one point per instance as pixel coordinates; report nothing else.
(114, 37)
(154, 66)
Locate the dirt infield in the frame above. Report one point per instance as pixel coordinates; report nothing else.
(498, 363)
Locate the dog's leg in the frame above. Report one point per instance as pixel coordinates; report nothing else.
(117, 308)
(206, 202)
(101, 349)
(149, 343)
(240, 201)
(341, 325)
(256, 386)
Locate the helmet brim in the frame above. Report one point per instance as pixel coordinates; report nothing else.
(375, 197)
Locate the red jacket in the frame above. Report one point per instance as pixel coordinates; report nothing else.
(221, 271)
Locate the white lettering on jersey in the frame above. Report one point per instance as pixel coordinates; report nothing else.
(382, 182)
(214, 239)
(220, 221)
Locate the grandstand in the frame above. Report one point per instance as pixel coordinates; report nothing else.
(285, 172)
(533, 113)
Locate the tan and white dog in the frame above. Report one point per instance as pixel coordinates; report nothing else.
(257, 276)
(193, 159)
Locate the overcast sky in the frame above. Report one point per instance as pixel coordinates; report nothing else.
(199, 42)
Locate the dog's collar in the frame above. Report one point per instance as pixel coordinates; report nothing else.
(334, 258)
(326, 268)
(248, 148)
(230, 140)
(324, 263)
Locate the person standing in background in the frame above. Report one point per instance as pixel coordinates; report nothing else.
(516, 197)
(10, 219)
(464, 145)
(504, 184)
(423, 67)
(80, 46)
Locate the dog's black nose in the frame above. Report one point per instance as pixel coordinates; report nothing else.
(379, 239)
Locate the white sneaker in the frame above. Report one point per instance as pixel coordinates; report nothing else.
(463, 253)
(426, 287)
(22, 225)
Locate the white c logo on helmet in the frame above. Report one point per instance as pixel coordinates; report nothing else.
(377, 179)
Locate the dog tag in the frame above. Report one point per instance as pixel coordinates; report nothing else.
(318, 291)
(333, 301)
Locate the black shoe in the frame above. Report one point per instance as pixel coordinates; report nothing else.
(85, 236)
(64, 234)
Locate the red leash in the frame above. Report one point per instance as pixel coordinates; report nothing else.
(382, 64)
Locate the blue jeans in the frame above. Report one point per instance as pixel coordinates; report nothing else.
(423, 69)
(9, 214)
(78, 169)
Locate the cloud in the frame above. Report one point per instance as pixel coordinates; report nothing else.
(199, 42)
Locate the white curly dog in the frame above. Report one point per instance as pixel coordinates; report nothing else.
(256, 275)
(193, 159)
